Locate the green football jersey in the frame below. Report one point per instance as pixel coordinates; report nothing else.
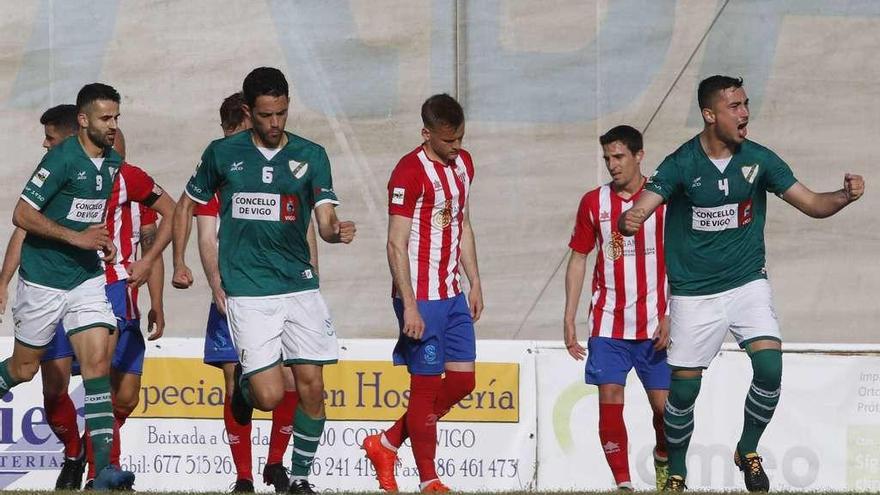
(714, 233)
(72, 191)
(265, 210)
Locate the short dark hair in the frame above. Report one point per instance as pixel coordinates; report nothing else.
(629, 136)
(263, 81)
(62, 117)
(93, 92)
(442, 110)
(231, 113)
(708, 88)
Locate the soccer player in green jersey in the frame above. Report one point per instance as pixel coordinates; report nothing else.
(269, 182)
(61, 278)
(715, 187)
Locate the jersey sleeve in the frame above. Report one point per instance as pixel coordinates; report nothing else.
(46, 181)
(322, 181)
(206, 179)
(148, 215)
(583, 238)
(404, 190)
(778, 177)
(139, 184)
(666, 180)
(211, 209)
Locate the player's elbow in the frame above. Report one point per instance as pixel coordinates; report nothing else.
(19, 215)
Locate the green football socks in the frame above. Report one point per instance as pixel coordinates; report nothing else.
(99, 419)
(306, 436)
(678, 419)
(762, 398)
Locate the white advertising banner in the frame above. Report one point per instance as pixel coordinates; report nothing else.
(176, 440)
(825, 434)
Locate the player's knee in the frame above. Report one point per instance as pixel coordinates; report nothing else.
(124, 403)
(25, 371)
(267, 398)
(683, 391)
(767, 368)
(53, 390)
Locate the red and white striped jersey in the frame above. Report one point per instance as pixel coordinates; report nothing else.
(629, 280)
(125, 216)
(434, 195)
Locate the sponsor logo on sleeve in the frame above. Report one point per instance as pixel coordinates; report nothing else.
(298, 169)
(256, 206)
(86, 210)
(307, 274)
(397, 195)
(724, 217)
(40, 177)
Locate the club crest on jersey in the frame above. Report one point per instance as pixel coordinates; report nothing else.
(750, 172)
(298, 169)
(443, 217)
(614, 247)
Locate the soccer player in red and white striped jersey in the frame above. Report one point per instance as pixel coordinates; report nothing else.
(429, 233)
(627, 314)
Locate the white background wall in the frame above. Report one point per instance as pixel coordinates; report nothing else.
(539, 82)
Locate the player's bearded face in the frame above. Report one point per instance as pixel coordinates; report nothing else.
(268, 118)
(101, 119)
(731, 110)
(623, 165)
(444, 142)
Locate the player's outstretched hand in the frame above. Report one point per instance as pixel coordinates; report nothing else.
(661, 335)
(632, 221)
(574, 348)
(155, 323)
(345, 231)
(138, 273)
(183, 277)
(94, 238)
(413, 325)
(854, 186)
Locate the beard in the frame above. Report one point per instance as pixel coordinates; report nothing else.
(100, 139)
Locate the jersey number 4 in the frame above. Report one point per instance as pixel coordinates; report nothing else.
(722, 186)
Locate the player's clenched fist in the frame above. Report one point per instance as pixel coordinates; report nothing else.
(183, 277)
(94, 238)
(631, 221)
(854, 186)
(345, 231)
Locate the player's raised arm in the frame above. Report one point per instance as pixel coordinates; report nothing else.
(139, 271)
(181, 229)
(631, 220)
(28, 218)
(332, 229)
(822, 205)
